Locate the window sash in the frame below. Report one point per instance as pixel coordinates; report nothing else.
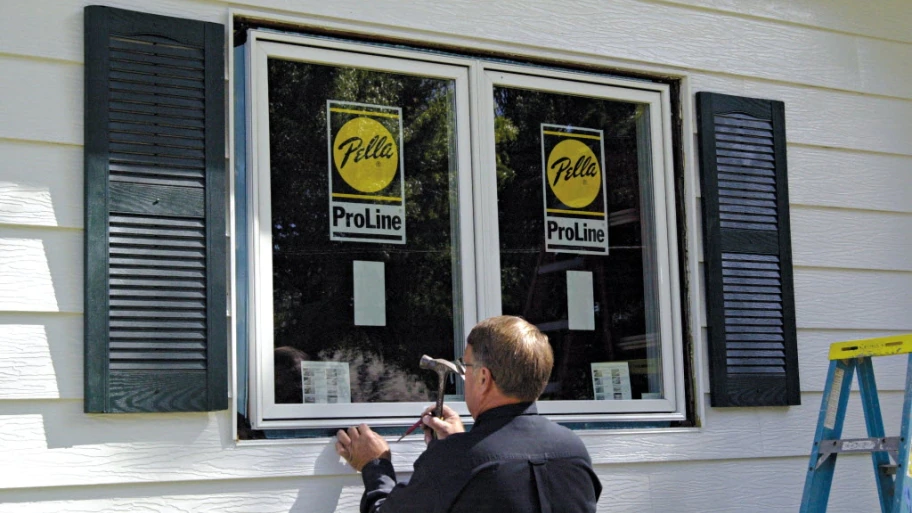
(266, 412)
(662, 191)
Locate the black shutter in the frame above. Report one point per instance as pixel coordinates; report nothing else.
(155, 256)
(747, 252)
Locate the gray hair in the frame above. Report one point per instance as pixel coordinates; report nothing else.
(518, 355)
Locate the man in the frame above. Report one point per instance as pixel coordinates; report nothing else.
(512, 459)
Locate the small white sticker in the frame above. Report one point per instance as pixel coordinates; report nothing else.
(580, 301)
(370, 293)
(829, 422)
(611, 381)
(325, 382)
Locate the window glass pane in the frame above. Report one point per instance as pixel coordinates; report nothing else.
(574, 171)
(361, 291)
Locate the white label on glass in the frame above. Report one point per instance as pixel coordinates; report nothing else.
(366, 173)
(580, 301)
(573, 178)
(370, 293)
(325, 382)
(611, 381)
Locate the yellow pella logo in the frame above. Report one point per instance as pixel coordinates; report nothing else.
(365, 154)
(574, 175)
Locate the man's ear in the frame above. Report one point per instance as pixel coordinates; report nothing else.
(486, 380)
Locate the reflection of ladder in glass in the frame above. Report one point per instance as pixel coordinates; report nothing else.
(846, 357)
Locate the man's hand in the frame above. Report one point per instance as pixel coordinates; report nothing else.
(448, 425)
(360, 444)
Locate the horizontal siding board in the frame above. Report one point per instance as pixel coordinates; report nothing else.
(845, 179)
(40, 270)
(629, 30)
(57, 117)
(853, 300)
(41, 184)
(151, 448)
(340, 494)
(852, 239)
(42, 357)
(886, 19)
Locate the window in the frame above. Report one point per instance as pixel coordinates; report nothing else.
(392, 198)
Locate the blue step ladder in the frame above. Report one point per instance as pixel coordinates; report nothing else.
(894, 479)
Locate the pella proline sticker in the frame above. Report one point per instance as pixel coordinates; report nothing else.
(366, 173)
(575, 198)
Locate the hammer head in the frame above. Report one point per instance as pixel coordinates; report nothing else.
(443, 367)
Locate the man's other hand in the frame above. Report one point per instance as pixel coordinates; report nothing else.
(360, 444)
(448, 425)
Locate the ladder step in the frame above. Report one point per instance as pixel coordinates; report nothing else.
(888, 444)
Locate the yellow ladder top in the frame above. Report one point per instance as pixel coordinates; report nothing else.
(881, 346)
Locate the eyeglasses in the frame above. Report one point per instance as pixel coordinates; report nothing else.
(463, 365)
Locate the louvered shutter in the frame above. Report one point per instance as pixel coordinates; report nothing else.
(155, 305)
(747, 252)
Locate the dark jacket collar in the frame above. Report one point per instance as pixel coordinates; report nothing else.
(503, 413)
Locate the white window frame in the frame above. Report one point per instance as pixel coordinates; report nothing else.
(478, 249)
(663, 191)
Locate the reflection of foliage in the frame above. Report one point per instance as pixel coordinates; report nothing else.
(505, 132)
(372, 379)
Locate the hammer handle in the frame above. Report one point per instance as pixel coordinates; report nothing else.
(438, 412)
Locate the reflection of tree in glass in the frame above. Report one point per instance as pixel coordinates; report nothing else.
(373, 379)
(312, 276)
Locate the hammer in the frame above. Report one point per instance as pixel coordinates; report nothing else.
(443, 367)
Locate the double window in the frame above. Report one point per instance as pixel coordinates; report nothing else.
(393, 198)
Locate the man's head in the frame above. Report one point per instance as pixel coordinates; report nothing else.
(509, 355)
